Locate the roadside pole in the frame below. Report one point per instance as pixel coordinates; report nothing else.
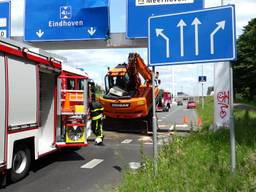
(232, 124)
(202, 95)
(172, 67)
(154, 123)
(202, 87)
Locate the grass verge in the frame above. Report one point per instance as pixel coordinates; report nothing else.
(201, 162)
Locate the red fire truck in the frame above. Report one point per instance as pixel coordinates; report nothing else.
(164, 101)
(43, 106)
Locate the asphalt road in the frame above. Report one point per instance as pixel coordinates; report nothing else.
(97, 168)
(179, 118)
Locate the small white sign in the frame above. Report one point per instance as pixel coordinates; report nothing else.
(222, 95)
(3, 22)
(3, 33)
(161, 2)
(65, 12)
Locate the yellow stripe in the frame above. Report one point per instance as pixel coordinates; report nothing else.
(100, 109)
(97, 117)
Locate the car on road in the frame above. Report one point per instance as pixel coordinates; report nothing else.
(191, 105)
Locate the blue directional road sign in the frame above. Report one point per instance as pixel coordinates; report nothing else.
(202, 79)
(61, 20)
(140, 10)
(5, 11)
(193, 37)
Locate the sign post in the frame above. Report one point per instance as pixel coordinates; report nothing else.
(200, 36)
(202, 80)
(154, 123)
(5, 7)
(232, 124)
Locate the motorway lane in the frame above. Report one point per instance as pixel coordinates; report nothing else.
(175, 117)
(62, 172)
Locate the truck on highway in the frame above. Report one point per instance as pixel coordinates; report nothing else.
(43, 107)
(126, 97)
(163, 101)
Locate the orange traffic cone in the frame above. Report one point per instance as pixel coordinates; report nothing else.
(185, 120)
(66, 107)
(199, 122)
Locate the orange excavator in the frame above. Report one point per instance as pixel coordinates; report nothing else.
(126, 97)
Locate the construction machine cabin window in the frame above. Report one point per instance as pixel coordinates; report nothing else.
(117, 81)
(118, 86)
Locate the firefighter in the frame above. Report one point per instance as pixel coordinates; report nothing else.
(96, 114)
(157, 80)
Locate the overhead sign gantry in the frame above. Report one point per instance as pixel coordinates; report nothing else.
(138, 12)
(5, 25)
(57, 20)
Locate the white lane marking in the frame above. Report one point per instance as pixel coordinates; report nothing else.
(162, 126)
(171, 128)
(148, 143)
(146, 140)
(182, 126)
(163, 117)
(126, 141)
(159, 120)
(91, 164)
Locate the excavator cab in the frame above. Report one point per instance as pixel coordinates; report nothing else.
(117, 83)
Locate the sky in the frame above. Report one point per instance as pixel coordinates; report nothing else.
(174, 78)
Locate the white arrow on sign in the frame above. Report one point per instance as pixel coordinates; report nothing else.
(221, 25)
(91, 31)
(39, 33)
(181, 25)
(160, 32)
(196, 22)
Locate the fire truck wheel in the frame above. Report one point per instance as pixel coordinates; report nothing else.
(20, 163)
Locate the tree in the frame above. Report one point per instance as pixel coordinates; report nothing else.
(245, 66)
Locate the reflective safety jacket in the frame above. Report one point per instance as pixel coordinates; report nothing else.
(96, 110)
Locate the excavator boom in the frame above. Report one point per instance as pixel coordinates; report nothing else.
(143, 70)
